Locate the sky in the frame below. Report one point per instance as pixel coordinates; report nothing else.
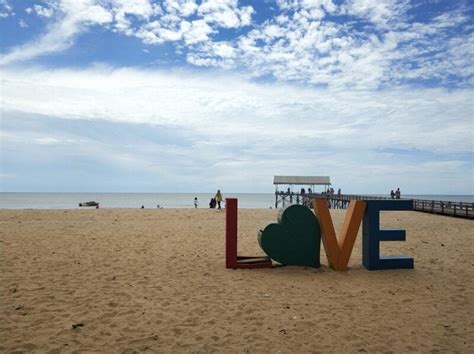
(192, 96)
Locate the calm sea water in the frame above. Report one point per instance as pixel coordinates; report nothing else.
(151, 200)
(126, 200)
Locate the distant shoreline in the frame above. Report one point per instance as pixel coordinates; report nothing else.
(61, 200)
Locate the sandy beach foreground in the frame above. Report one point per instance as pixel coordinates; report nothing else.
(127, 280)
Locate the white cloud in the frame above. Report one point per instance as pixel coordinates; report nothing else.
(302, 43)
(172, 21)
(47, 141)
(378, 12)
(76, 16)
(220, 54)
(182, 8)
(6, 9)
(307, 5)
(22, 24)
(124, 8)
(43, 11)
(198, 31)
(237, 106)
(225, 13)
(246, 131)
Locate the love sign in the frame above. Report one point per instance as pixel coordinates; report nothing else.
(296, 238)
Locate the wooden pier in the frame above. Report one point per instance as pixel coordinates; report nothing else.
(457, 209)
(341, 201)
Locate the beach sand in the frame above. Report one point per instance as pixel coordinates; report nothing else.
(155, 280)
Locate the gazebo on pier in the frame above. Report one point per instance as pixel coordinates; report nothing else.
(304, 194)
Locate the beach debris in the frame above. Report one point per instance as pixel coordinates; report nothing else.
(19, 307)
(282, 331)
(77, 325)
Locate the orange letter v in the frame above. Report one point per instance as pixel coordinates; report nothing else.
(339, 249)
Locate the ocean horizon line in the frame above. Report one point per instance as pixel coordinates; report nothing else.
(231, 192)
(71, 200)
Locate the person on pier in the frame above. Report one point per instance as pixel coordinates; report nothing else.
(398, 194)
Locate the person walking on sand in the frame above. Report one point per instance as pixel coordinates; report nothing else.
(196, 203)
(218, 198)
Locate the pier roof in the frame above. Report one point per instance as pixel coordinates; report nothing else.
(302, 180)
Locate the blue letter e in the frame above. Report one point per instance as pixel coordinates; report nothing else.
(372, 235)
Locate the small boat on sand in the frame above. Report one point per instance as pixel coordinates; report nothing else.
(89, 204)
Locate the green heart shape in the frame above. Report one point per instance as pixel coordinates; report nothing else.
(295, 240)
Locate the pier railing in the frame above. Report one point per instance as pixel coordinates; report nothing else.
(341, 201)
(459, 209)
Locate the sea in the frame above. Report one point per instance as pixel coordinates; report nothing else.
(9, 200)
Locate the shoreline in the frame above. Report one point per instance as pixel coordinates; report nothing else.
(42, 201)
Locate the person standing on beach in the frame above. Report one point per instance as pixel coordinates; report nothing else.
(218, 198)
(196, 203)
(212, 203)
